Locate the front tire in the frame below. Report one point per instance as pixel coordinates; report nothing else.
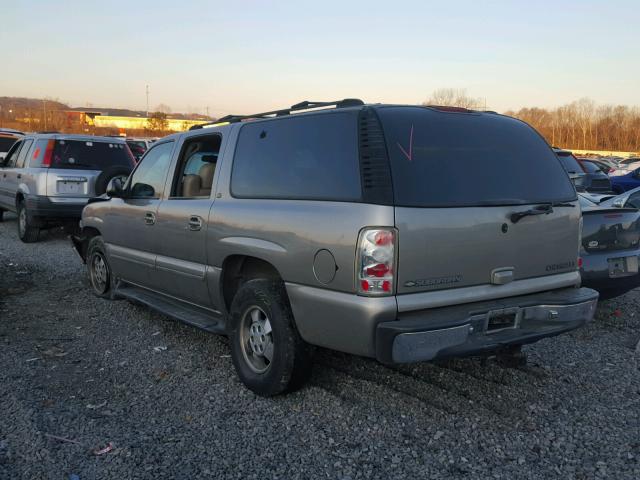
(267, 351)
(100, 274)
(27, 232)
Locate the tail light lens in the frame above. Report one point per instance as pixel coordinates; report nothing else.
(376, 261)
(48, 153)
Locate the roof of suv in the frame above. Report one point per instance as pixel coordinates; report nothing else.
(319, 108)
(78, 137)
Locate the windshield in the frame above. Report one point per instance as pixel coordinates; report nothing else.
(441, 159)
(90, 155)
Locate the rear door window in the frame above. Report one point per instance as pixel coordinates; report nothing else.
(90, 155)
(444, 159)
(312, 157)
(12, 155)
(23, 153)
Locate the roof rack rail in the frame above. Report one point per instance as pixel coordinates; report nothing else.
(306, 105)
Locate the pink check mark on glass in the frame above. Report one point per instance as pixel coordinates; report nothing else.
(410, 154)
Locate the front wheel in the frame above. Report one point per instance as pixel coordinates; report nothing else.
(267, 350)
(27, 232)
(100, 273)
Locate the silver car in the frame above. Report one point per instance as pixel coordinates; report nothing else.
(47, 179)
(400, 233)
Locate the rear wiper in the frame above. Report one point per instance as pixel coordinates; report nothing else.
(544, 209)
(539, 210)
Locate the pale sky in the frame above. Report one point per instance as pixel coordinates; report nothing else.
(245, 56)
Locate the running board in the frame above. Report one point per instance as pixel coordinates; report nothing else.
(185, 312)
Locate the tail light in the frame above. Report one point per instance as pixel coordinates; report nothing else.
(376, 261)
(48, 153)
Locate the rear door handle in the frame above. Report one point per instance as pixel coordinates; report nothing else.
(149, 218)
(195, 223)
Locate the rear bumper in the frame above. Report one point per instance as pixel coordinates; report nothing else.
(595, 271)
(463, 329)
(39, 206)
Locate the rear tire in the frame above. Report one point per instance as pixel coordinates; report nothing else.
(267, 351)
(27, 232)
(100, 274)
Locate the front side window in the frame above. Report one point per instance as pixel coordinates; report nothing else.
(312, 157)
(147, 181)
(196, 167)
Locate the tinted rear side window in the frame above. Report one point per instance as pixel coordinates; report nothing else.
(6, 143)
(311, 157)
(90, 155)
(441, 159)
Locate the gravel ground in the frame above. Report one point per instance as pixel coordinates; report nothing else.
(79, 373)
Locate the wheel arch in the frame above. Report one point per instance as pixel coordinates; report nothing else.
(238, 269)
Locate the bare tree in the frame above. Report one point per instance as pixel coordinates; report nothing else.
(452, 97)
(164, 108)
(157, 122)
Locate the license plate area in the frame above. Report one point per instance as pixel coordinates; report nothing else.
(499, 320)
(623, 266)
(71, 186)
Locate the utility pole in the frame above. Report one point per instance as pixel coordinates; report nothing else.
(207, 110)
(44, 108)
(147, 101)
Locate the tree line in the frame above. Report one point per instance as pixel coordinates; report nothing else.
(581, 125)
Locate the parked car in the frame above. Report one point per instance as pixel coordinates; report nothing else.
(585, 175)
(572, 167)
(610, 248)
(629, 199)
(605, 167)
(628, 181)
(401, 233)
(595, 180)
(48, 178)
(7, 138)
(138, 146)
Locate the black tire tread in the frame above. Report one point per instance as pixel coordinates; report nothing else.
(98, 243)
(294, 360)
(31, 233)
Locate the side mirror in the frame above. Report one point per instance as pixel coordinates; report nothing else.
(115, 187)
(142, 190)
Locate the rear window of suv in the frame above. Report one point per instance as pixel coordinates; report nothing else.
(90, 155)
(445, 159)
(311, 157)
(569, 162)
